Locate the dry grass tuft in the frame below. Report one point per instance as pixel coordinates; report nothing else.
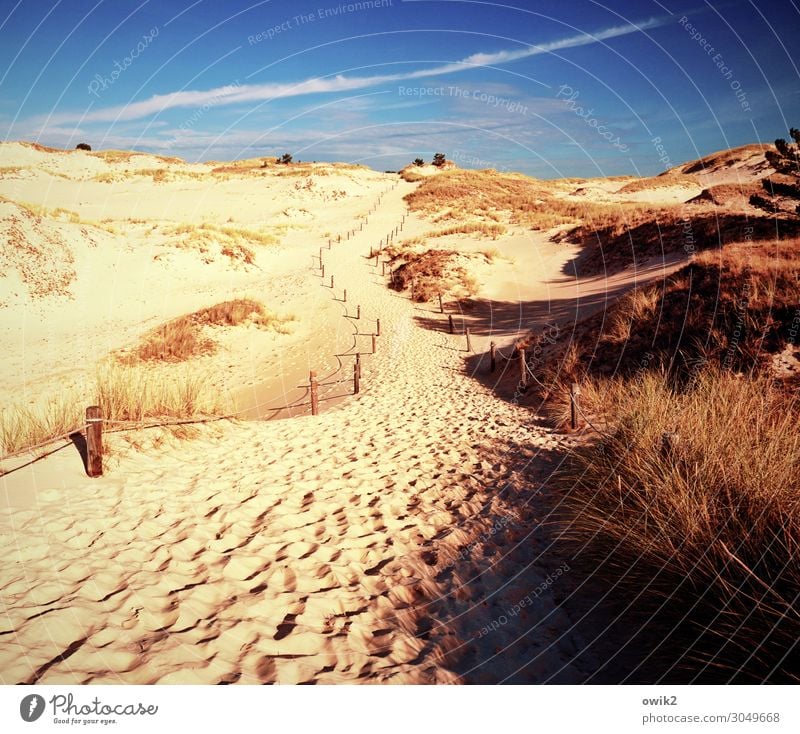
(175, 341)
(135, 393)
(24, 425)
(183, 338)
(666, 180)
(734, 308)
(488, 229)
(199, 236)
(430, 273)
(68, 215)
(124, 392)
(125, 156)
(707, 527)
(517, 199)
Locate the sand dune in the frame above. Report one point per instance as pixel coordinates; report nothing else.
(391, 538)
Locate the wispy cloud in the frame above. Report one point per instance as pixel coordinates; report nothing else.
(235, 93)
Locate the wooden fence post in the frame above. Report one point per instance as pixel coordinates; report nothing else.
(441, 306)
(376, 259)
(374, 344)
(378, 325)
(371, 252)
(383, 268)
(523, 368)
(344, 298)
(357, 375)
(94, 441)
(492, 363)
(450, 320)
(469, 343)
(331, 282)
(323, 269)
(358, 311)
(312, 377)
(574, 392)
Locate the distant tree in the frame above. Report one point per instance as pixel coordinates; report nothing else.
(286, 158)
(419, 162)
(439, 160)
(786, 161)
(83, 146)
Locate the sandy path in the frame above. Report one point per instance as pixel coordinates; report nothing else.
(380, 541)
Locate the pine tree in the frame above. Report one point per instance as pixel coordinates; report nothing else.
(786, 159)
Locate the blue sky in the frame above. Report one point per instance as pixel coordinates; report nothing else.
(567, 88)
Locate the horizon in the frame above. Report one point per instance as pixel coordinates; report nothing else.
(556, 92)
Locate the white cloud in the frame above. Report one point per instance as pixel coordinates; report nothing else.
(232, 94)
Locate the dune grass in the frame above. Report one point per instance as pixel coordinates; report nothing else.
(465, 195)
(430, 273)
(131, 389)
(733, 308)
(192, 234)
(125, 392)
(134, 393)
(487, 229)
(700, 533)
(126, 156)
(61, 214)
(182, 338)
(23, 425)
(704, 531)
(659, 182)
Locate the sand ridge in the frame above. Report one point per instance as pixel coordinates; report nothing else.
(369, 544)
